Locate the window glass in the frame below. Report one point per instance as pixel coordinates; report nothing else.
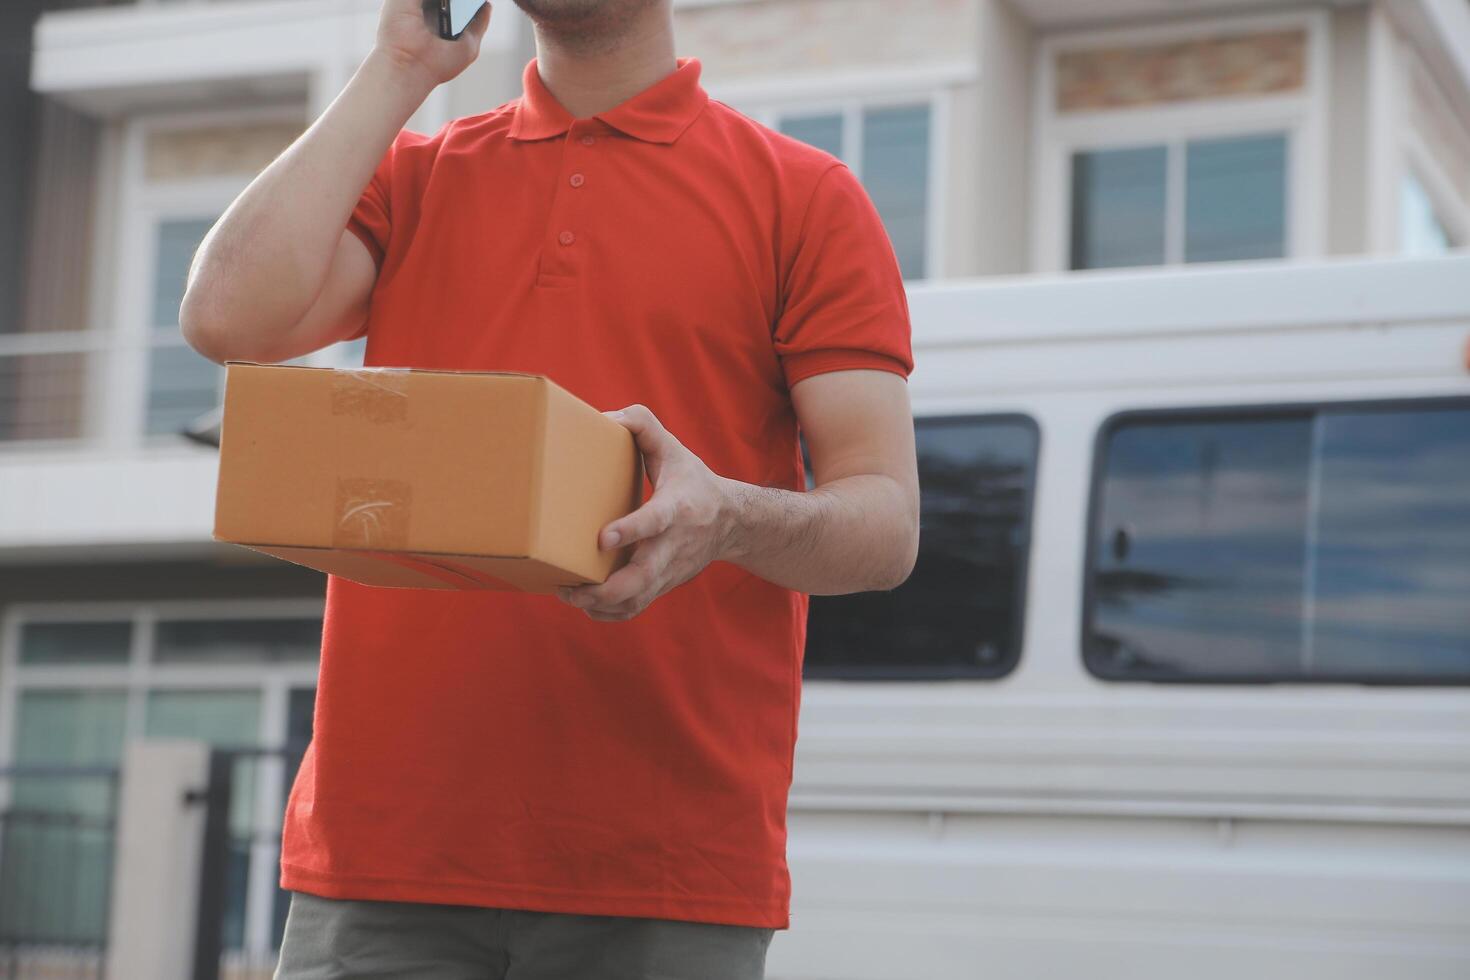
(1200, 547)
(960, 611)
(56, 644)
(67, 728)
(895, 170)
(177, 241)
(1392, 535)
(1119, 199)
(181, 384)
(1295, 545)
(894, 165)
(237, 641)
(822, 131)
(1420, 230)
(56, 837)
(181, 387)
(1235, 199)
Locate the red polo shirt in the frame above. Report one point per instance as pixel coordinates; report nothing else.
(504, 750)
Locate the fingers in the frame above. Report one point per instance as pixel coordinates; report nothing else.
(627, 592)
(654, 441)
(622, 586)
(652, 519)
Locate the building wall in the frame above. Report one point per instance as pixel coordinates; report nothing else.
(1417, 127)
(792, 37)
(216, 149)
(1124, 76)
(1347, 220)
(1433, 120)
(18, 121)
(992, 161)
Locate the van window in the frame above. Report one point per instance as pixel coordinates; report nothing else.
(960, 612)
(1305, 544)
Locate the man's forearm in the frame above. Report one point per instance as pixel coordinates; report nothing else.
(263, 264)
(854, 534)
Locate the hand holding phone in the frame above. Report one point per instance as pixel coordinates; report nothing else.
(455, 16)
(409, 38)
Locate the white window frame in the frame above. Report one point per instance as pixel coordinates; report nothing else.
(1300, 116)
(1451, 207)
(848, 94)
(1450, 210)
(142, 206)
(140, 676)
(1397, 150)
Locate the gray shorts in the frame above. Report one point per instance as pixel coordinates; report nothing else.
(330, 939)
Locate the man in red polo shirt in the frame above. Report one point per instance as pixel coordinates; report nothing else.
(595, 784)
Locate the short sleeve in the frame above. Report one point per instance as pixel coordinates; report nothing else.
(371, 219)
(843, 302)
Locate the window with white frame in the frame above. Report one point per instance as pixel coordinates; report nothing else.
(1202, 200)
(1152, 151)
(174, 192)
(182, 385)
(78, 683)
(889, 146)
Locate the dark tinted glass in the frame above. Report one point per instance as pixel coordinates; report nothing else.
(960, 611)
(1199, 550)
(1119, 200)
(1392, 550)
(1311, 545)
(55, 644)
(220, 641)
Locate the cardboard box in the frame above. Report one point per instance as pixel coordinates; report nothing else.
(422, 479)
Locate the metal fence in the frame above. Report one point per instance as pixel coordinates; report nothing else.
(221, 950)
(57, 832)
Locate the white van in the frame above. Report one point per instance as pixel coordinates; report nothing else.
(1179, 686)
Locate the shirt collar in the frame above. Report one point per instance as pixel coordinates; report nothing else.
(658, 114)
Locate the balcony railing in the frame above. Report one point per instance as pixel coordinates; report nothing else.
(89, 388)
(42, 396)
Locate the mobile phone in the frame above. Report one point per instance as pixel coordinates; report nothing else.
(455, 15)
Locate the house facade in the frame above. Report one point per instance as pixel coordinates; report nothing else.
(1002, 140)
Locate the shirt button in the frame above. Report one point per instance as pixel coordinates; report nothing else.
(588, 141)
(566, 238)
(578, 180)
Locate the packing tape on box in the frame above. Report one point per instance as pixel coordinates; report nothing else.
(372, 513)
(374, 394)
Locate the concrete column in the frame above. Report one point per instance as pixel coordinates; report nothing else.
(1386, 109)
(155, 876)
(996, 157)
